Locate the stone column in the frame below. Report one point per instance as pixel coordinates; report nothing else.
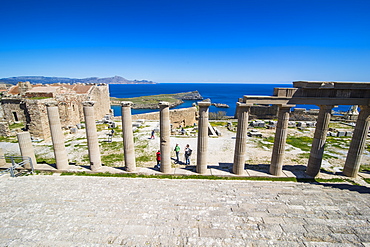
(318, 143)
(25, 145)
(57, 137)
(277, 157)
(92, 136)
(241, 138)
(128, 137)
(2, 158)
(165, 129)
(202, 137)
(357, 145)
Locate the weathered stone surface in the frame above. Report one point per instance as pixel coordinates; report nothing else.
(163, 212)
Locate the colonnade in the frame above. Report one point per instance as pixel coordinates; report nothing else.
(350, 169)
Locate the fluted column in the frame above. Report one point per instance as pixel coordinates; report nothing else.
(92, 136)
(318, 143)
(25, 145)
(165, 137)
(277, 157)
(241, 138)
(2, 161)
(128, 137)
(57, 137)
(357, 145)
(202, 147)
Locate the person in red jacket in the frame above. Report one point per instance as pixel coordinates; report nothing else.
(158, 154)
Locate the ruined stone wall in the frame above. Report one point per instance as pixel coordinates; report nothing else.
(100, 94)
(4, 129)
(68, 106)
(183, 117)
(13, 110)
(38, 125)
(1, 111)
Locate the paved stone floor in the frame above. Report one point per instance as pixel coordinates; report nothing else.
(52, 210)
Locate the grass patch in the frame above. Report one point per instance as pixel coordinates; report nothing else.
(367, 180)
(45, 160)
(302, 142)
(215, 124)
(118, 146)
(364, 168)
(145, 158)
(110, 159)
(8, 139)
(16, 126)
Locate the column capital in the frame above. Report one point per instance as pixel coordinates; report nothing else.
(204, 104)
(51, 104)
(163, 104)
(88, 103)
(126, 103)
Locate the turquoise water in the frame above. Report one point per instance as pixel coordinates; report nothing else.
(226, 93)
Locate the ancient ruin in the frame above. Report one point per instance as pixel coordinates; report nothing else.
(324, 94)
(27, 103)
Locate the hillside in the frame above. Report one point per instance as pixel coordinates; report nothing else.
(49, 80)
(151, 102)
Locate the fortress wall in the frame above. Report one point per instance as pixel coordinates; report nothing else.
(183, 117)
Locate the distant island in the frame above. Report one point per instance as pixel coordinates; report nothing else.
(50, 80)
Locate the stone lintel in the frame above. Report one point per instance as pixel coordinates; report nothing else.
(328, 101)
(239, 104)
(266, 100)
(88, 103)
(204, 104)
(126, 103)
(163, 104)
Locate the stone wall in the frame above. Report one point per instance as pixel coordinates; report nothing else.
(100, 94)
(33, 111)
(4, 129)
(183, 117)
(14, 110)
(38, 126)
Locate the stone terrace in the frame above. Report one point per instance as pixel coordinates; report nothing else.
(57, 210)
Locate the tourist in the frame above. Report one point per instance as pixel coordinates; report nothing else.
(188, 152)
(152, 135)
(177, 150)
(158, 158)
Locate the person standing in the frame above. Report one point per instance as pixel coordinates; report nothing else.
(152, 135)
(158, 158)
(177, 150)
(188, 152)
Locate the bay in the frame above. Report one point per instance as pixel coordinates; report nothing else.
(225, 93)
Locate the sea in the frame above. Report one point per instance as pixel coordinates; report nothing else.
(225, 93)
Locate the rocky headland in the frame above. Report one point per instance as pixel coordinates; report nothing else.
(151, 101)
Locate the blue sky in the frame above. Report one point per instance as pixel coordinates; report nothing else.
(187, 41)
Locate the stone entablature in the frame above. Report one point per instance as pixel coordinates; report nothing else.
(326, 95)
